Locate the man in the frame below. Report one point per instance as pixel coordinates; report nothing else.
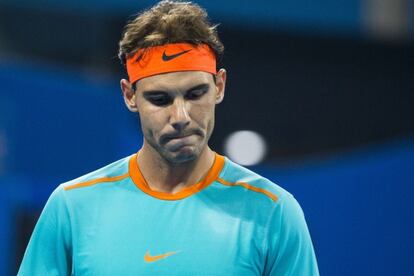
(176, 207)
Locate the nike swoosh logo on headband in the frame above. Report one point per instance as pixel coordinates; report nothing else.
(166, 57)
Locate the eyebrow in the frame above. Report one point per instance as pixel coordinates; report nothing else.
(196, 87)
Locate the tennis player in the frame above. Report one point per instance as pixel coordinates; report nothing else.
(176, 207)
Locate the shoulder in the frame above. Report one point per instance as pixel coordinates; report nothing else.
(237, 175)
(111, 173)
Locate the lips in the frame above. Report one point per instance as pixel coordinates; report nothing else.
(177, 141)
(174, 144)
(179, 137)
(166, 138)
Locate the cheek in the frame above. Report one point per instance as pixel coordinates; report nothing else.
(203, 114)
(204, 109)
(151, 121)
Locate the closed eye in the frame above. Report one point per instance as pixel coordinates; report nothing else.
(197, 92)
(158, 98)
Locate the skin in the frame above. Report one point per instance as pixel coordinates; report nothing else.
(177, 112)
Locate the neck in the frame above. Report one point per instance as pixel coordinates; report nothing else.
(164, 176)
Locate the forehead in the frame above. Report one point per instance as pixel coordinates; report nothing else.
(174, 81)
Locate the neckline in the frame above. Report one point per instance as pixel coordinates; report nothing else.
(139, 180)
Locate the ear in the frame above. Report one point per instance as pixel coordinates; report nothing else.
(129, 95)
(221, 77)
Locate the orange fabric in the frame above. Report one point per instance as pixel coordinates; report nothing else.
(170, 58)
(96, 181)
(142, 184)
(249, 187)
(149, 259)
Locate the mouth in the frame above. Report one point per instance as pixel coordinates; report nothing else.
(179, 136)
(177, 141)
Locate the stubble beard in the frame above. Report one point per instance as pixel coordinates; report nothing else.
(174, 159)
(177, 158)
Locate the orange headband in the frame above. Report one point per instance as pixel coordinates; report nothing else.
(170, 58)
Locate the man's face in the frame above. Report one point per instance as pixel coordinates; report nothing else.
(177, 112)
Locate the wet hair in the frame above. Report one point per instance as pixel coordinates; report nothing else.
(169, 22)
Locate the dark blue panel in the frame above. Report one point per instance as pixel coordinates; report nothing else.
(317, 15)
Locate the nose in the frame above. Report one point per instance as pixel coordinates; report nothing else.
(180, 118)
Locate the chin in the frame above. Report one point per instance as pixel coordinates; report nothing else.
(183, 155)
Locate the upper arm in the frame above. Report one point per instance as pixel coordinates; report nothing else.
(290, 249)
(49, 251)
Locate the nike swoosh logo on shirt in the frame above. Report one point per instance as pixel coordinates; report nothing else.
(166, 57)
(149, 259)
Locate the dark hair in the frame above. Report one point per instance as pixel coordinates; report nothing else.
(169, 22)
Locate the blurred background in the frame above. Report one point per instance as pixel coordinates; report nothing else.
(320, 99)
